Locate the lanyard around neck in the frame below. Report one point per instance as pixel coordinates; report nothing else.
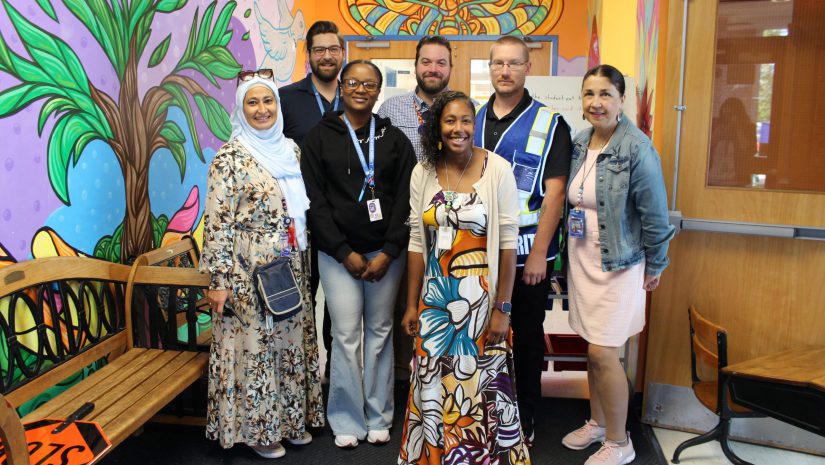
(368, 164)
(320, 102)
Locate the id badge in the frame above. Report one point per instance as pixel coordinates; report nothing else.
(285, 245)
(445, 238)
(576, 224)
(374, 208)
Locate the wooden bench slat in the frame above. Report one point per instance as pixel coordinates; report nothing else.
(43, 270)
(170, 276)
(136, 376)
(113, 345)
(126, 423)
(149, 380)
(96, 385)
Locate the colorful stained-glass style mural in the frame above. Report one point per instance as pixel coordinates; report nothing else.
(647, 51)
(452, 17)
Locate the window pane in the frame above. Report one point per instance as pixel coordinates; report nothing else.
(767, 129)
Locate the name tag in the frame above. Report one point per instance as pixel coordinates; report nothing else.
(374, 209)
(576, 224)
(444, 239)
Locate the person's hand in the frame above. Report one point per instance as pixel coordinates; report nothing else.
(377, 267)
(535, 269)
(217, 298)
(356, 264)
(651, 282)
(410, 321)
(499, 327)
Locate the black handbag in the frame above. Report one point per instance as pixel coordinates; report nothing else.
(277, 289)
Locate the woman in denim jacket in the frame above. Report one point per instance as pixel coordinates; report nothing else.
(618, 235)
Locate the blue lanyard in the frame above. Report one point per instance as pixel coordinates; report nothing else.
(318, 97)
(369, 170)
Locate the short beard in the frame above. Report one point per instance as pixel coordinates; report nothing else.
(323, 75)
(431, 90)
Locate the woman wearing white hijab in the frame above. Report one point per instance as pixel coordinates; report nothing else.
(264, 383)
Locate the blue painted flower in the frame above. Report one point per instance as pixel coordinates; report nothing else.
(448, 324)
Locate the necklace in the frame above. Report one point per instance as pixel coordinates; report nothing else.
(449, 194)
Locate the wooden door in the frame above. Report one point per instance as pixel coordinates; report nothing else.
(470, 73)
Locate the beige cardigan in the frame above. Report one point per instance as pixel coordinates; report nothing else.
(497, 189)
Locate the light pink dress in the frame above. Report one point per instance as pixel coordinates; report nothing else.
(606, 308)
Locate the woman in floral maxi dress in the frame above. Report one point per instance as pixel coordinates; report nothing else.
(264, 384)
(462, 406)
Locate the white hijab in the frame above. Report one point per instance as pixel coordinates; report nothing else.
(276, 153)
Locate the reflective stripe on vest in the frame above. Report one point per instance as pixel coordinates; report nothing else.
(536, 142)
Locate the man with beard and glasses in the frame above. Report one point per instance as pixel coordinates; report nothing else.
(408, 112)
(433, 63)
(536, 141)
(305, 101)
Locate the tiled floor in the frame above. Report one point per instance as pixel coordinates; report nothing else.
(711, 453)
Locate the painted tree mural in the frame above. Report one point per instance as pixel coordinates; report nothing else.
(134, 126)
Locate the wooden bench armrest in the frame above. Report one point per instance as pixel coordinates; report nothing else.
(12, 435)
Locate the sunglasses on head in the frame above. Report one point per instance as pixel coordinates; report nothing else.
(264, 73)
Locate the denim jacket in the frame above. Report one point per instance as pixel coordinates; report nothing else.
(631, 200)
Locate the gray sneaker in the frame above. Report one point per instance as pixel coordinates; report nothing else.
(581, 438)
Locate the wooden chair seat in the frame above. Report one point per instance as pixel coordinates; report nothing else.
(129, 390)
(706, 392)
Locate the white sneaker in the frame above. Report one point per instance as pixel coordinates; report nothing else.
(345, 441)
(274, 451)
(302, 441)
(612, 453)
(378, 436)
(581, 438)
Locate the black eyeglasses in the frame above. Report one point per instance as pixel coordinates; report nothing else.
(369, 86)
(334, 50)
(264, 73)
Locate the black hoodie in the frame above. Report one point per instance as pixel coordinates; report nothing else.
(333, 175)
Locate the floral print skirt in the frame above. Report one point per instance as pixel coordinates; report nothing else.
(462, 406)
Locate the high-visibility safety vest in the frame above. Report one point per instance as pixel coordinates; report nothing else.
(525, 144)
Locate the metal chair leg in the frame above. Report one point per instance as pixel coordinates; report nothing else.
(723, 441)
(715, 433)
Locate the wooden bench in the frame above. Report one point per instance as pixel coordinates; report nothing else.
(82, 309)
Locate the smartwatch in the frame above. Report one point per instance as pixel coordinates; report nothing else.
(504, 307)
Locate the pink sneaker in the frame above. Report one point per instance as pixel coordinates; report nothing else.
(581, 438)
(612, 453)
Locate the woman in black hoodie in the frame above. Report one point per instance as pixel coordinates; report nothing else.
(357, 169)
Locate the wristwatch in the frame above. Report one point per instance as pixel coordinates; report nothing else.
(504, 307)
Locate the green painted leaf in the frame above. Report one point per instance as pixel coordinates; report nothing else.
(18, 97)
(99, 20)
(218, 29)
(180, 100)
(58, 161)
(81, 144)
(172, 133)
(46, 6)
(168, 6)
(203, 30)
(215, 116)
(179, 154)
(53, 105)
(160, 52)
(245, 36)
(247, 13)
(51, 53)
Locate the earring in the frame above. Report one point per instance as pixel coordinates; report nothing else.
(583, 118)
(619, 118)
(439, 145)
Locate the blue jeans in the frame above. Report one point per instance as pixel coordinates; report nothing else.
(360, 385)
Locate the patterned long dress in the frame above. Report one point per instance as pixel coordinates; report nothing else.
(264, 383)
(462, 406)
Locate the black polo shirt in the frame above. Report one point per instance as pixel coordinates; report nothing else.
(300, 108)
(561, 148)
